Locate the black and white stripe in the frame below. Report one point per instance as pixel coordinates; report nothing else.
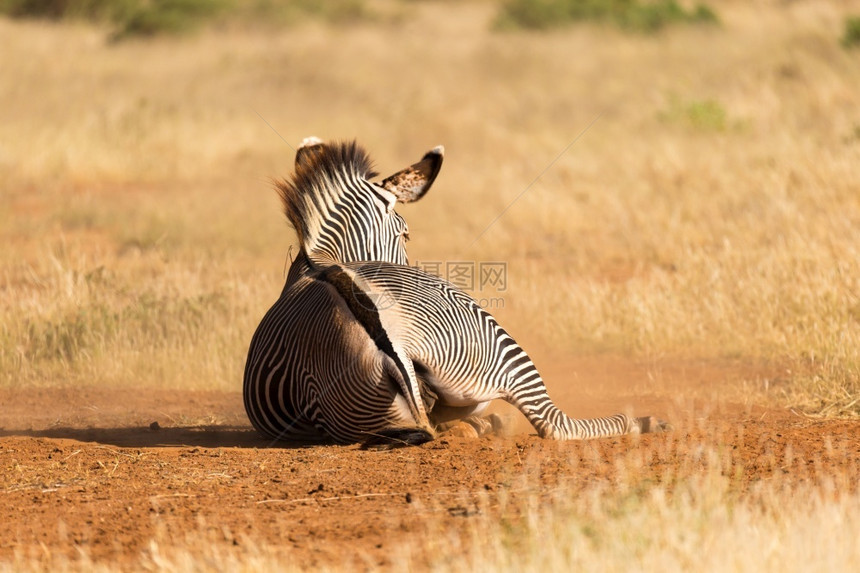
(360, 344)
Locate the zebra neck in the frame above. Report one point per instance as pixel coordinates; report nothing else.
(325, 250)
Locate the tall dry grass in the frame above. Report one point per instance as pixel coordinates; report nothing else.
(711, 210)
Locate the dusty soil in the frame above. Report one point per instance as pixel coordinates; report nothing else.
(88, 471)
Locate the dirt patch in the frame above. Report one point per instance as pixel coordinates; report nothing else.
(104, 472)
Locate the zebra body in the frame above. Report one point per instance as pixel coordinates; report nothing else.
(356, 348)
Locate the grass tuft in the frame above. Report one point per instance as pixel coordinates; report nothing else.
(851, 35)
(699, 115)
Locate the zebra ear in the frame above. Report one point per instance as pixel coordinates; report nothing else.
(308, 149)
(413, 182)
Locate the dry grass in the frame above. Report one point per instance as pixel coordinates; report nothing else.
(695, 526)
(702, 523)
(708, 531)
(711, 211)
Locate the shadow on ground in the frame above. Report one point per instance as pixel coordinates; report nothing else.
(212, 436)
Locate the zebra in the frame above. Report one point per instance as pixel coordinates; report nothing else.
(362, 347)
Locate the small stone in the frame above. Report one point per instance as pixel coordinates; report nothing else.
(154, 426)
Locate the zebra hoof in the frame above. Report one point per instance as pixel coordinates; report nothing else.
(477, 427)
(463, 430)
(651, 425)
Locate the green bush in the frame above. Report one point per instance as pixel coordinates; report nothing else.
(130, 17)
(634, 15)
(287, 13)
(851, 37)
(153, 17)
(58, 9)
(168, 16)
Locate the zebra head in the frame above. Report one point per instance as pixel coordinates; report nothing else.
(342, 216)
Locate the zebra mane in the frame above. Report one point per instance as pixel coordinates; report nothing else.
(316, 185)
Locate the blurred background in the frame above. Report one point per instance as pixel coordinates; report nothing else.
(666, 182)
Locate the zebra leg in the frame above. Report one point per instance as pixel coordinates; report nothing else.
(461, 421)
(444, 416)
(404, 421)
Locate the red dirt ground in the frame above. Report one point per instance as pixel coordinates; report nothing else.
(84, 473)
